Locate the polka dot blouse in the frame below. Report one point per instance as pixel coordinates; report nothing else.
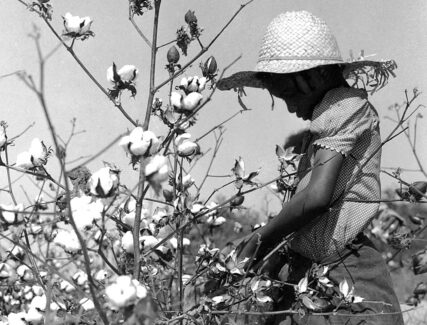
(346, 122)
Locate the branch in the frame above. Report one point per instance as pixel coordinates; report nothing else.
(141, 191)
(140, 33)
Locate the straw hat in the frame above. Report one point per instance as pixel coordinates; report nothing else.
(297, 41)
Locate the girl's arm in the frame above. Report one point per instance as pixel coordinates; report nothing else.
(304, 206)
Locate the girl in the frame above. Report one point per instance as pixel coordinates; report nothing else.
(300, 62)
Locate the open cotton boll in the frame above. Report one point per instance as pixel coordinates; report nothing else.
(128, 73)
(38, 152)
(138, 142)
(17, 318)
(185, 147)
(77, 25)
(11, 213)
(157, 169)
(174, 242)
(39, 302)
(127, 242)
(66, 286)
(23, 160)
(191, 101)
(86, 304)
(110, 75)
(85, 211)
(104, 182)
(67, 240)
(148, 241)
(124, 291)
(176, 100)
(34, 316)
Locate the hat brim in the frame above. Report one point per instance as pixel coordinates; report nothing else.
(253, 79)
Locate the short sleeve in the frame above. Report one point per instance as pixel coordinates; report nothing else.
(341, 118)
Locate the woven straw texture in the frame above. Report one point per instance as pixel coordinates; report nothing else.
(296, 41)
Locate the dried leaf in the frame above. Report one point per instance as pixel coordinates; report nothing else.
(245, 108)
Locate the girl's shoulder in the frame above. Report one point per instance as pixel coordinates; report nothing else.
(342, 117)
(341, 101)
(341, 106)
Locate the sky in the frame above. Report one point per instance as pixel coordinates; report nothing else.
(389, 29)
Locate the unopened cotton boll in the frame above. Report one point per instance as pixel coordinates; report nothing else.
(104, 182)
(76, 25)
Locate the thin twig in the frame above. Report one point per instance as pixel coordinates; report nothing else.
(139, 31)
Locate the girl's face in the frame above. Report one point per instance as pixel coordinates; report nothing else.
(301, 91)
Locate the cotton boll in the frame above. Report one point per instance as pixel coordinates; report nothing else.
(23, 160)
(176, 100)
(128, 73)
(191, 101)
(104, 182)
(127, 242)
